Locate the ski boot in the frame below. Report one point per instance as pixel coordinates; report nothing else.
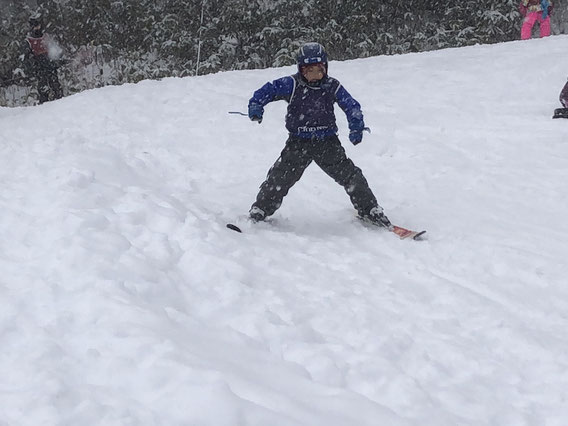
(377, 217)
(256, 214)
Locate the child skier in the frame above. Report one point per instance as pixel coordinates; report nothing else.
(533, 11)
(310, 121)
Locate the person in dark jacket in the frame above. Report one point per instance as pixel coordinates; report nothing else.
(564, 96)
(42, 56)
(562, 112)
(310, 121)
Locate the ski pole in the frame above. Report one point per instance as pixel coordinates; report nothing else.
(257, 119)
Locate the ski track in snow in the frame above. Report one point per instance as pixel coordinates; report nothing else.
(125, 300)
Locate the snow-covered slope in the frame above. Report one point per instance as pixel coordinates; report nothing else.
(124, 300)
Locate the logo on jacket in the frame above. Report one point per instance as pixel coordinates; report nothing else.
(308, 129)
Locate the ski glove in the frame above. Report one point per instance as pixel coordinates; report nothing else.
(356, 136)
(255, 113)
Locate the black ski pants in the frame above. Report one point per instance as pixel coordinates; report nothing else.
(47, 80)
(330, 156)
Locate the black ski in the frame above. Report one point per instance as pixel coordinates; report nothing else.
(234, 228)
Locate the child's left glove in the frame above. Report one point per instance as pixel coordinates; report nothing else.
(356, 136)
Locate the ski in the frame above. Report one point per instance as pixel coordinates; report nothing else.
(235, 228)
(247, 226)
(401, 232)
(404, 233)
(245, 223)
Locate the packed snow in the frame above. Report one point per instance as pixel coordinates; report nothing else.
(124, 299)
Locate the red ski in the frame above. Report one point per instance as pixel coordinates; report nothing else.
(404, 233)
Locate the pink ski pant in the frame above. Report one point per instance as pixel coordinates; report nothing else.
(529, 22)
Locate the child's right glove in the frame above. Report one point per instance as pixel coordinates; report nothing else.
(255, 113)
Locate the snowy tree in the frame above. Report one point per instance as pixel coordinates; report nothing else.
(116, 41)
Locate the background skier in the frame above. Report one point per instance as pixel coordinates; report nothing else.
(564, 96)
(42, 56)
(310, 121)
(562, 112)
(533, 11)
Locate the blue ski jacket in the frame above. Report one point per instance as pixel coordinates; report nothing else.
(310, 112)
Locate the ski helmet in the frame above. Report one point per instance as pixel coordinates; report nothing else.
(311, 53)
(35, 20)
